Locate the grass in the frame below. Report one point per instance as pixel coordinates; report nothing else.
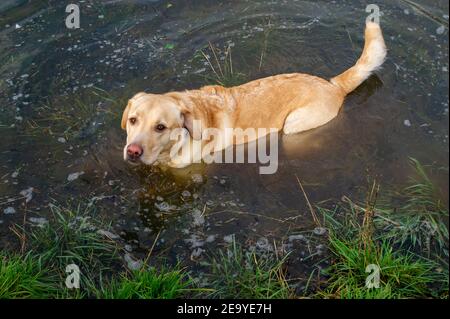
(417, 220)
(378, 232)
(23, 277)
(224, 74)
(72, 237)
(220, 61)
(166, 283)
(364, 234)
(26, 277)
(402, 275)
(236, 273)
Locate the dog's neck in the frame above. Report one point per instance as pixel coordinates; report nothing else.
(209, 104)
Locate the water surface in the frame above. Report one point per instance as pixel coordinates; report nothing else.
(62, 93)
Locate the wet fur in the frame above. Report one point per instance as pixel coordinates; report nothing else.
(290, 103)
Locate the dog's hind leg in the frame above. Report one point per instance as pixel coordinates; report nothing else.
(308, 117)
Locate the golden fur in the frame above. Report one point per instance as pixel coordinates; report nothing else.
(290, 103)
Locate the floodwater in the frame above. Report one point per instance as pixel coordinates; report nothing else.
(62, 92)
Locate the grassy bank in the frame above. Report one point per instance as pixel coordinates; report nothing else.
(73, 237)
(402, 236)
(395, 242)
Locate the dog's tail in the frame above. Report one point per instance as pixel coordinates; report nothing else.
(372, 58)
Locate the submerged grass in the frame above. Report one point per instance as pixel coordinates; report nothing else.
(236, 273)
(224, 74)
(73, 117)
(220, 61)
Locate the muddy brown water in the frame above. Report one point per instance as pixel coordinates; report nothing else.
(62, 92)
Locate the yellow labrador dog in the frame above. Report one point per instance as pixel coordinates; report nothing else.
(289, 102)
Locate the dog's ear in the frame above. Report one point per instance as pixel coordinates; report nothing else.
(127, 109)
(125, 115)
(192, 125)
(191, 116)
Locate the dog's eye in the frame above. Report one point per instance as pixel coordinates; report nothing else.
(133, 120)
(160, 127)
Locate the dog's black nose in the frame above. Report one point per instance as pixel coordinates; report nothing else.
(134, 151)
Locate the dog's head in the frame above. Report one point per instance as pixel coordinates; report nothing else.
(149, 120)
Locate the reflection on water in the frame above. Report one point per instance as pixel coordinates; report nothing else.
(62, 92)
